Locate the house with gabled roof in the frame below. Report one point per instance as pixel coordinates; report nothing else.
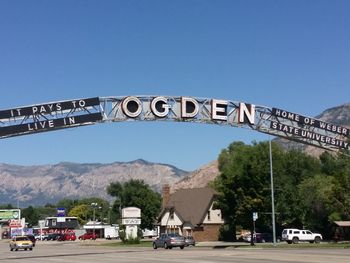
(190, 212)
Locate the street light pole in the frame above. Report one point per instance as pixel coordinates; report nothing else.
(94, 205)
(272, 197)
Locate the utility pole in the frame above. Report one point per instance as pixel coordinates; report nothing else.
(272, 197)
(94, 205)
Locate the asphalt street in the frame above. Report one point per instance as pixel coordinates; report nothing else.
(89, 252)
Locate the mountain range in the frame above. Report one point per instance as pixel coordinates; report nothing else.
(41, 184)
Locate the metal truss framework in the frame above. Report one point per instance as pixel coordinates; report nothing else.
(79, 112)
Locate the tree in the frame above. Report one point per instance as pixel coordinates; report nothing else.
(294, 167)
(136, 193)
(318, 205)
(31, 215)
(243, 185)
(81, 212)
(338, 166)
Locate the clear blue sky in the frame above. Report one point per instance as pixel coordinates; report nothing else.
(294, 55)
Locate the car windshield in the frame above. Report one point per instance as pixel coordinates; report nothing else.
(174, 235)
(22, 239)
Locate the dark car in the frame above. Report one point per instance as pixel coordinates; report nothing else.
(265, 237)
(189, 240)
(32, 238)
(169, 241)
(53, 236)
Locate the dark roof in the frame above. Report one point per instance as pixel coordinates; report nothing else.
(191, 205)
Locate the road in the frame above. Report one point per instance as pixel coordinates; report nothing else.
(75, 252)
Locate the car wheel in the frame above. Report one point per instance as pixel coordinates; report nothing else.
(11, 249)
(317, 240)
(31, 248)
(154, 246)
(295, 240)
(166, 245)
(25, 249)
(182, 247)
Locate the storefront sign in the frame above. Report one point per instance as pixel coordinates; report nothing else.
(131, 221)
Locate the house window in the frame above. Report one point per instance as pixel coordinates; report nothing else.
(208, 215)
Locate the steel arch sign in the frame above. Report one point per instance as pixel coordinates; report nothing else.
(74, 113)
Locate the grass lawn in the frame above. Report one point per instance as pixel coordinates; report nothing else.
(305, 245)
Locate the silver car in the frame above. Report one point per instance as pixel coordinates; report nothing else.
(168, 241)
(189, 240)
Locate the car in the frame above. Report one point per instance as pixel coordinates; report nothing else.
(168, 241)
(293, 235)
(266, 237)
(41, 237)
(21, 242)
(32, 238)
(67, 237)
(189, 241)
(85, 236)
(53, 236)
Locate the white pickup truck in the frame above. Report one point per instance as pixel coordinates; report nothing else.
(296, 235)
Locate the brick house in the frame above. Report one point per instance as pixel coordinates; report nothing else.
(190, 212)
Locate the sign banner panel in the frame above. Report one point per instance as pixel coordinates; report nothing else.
(44, 109)
(300, 119)
(49, 124)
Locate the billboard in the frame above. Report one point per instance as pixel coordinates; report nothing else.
(10, 214)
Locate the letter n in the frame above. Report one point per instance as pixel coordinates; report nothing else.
(246, 113)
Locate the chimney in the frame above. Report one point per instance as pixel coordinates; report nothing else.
(165, 195)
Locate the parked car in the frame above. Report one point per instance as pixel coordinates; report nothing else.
(67, 237)
(85, 236)
(53, 236)
(32, 238)
(21, 242)
(189, 240)
(41, 237)
(296, 235)
(169, 241)
(266, 237)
